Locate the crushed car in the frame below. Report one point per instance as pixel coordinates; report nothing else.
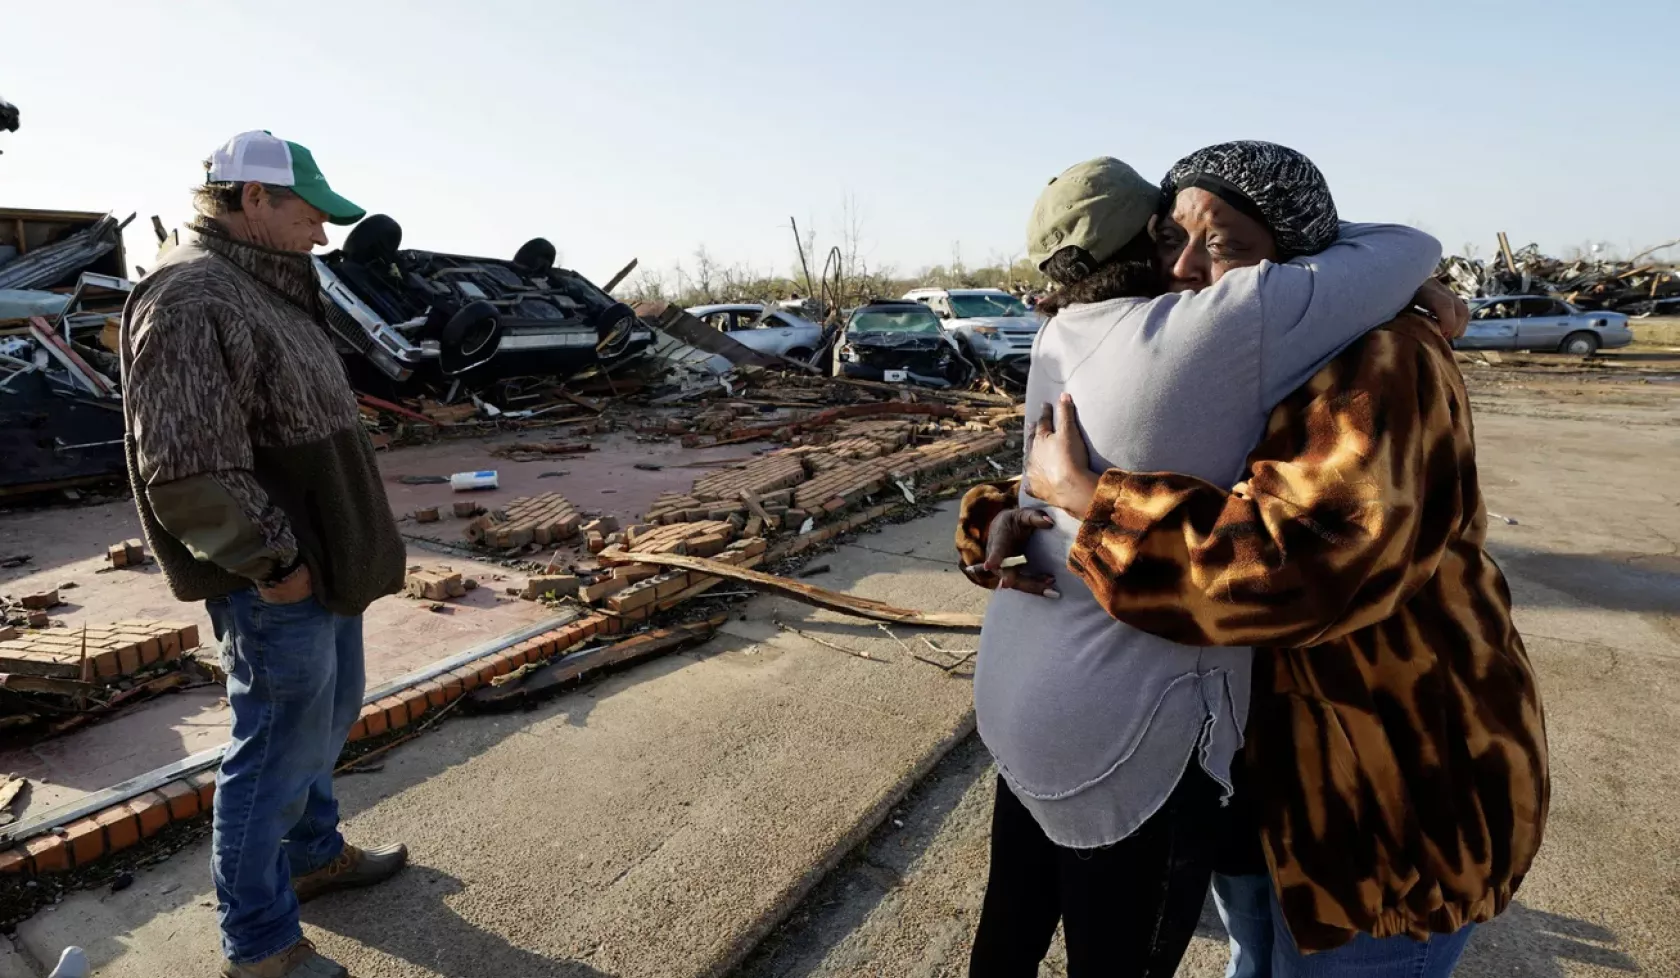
(426, 318)
(991, 326)
(899, 341)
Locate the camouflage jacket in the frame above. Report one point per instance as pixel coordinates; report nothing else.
(1396, 741)
(245, 445)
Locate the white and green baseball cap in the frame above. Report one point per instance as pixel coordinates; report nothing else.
(257, 156)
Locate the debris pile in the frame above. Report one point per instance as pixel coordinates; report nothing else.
(63, 678)
(1638, 287)
(62, 288)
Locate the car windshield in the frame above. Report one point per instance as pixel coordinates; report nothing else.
(986, 306)
(896, 321)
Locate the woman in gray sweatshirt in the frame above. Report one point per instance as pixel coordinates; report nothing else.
(1114, 747)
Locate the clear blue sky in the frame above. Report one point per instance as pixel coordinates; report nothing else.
(639, 128)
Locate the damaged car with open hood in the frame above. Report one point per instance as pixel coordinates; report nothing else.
(899, 342)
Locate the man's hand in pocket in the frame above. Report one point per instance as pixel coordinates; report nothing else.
(291, 589)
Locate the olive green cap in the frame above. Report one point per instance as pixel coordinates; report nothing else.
(1097, 205)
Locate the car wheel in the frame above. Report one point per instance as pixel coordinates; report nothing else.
(374, 241)
(470, 337)
(612, 330)
(1580, 344)
(535, 257)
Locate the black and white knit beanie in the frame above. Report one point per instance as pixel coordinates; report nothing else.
(1273, 184)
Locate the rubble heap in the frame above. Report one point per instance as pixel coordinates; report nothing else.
(1636, 288)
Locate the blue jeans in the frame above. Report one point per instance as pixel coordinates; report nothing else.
(1262, 948)
(295, 682)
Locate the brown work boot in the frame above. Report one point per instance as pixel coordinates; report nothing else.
(354, 867)
(301, 960)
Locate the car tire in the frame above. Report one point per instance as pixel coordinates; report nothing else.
(470, 337)
(535, 257)
(1581, 344)
(613, 328)
(374, 241)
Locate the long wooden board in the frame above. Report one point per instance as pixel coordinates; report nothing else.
(821, 597)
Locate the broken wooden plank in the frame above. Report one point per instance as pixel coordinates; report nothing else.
(821, 597)
(20, 683)
(756, 507)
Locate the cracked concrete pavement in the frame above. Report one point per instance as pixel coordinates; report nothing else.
(1595, 571)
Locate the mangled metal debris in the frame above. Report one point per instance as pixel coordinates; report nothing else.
(61, 290)
(1638, 287)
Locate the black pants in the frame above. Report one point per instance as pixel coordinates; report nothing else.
(1126, 910)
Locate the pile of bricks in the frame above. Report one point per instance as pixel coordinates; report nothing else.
(129, 553)
(777, 471)
(112, 651)
(543, 519)
(664, 589)
(942, 455)
(699, 539)
(890, 432)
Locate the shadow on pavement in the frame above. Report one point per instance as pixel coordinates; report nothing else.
(1536, 944)
(1613, 580)
(853, 891)
(1520, 941)
(411, 920)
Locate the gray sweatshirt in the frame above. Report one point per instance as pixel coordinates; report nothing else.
(1091, 721)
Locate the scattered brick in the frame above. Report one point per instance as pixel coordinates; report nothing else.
(604, 525)
(113, 650)
(41, 600)
(543, 585)
(543, 519)
(427, 515)
(602, 588)
(435, 585)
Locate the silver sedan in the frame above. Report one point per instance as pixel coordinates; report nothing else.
(1541, 324)
(774, 331)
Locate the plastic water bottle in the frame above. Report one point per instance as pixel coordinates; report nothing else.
(73, 963)
(468, 481)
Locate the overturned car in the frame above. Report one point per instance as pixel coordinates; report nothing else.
(422, 318)
(898, 341)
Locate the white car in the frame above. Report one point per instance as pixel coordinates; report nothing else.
(774, 331)
(990, 326)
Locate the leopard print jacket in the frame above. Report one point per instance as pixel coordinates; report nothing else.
(1396, 742)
